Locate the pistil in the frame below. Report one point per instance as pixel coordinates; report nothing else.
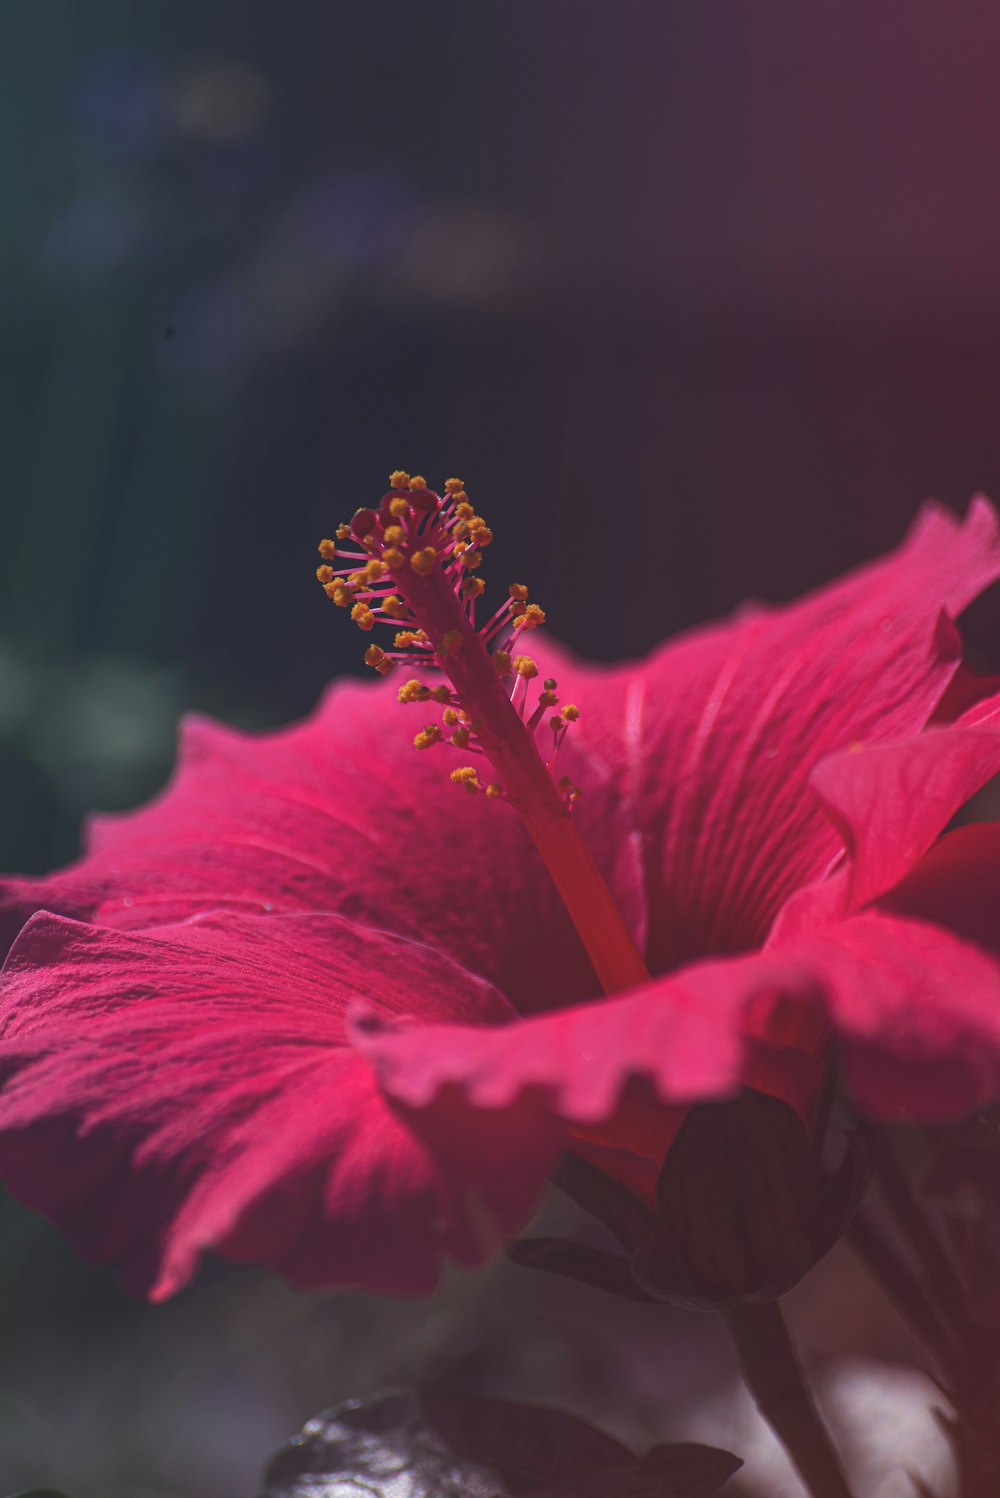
(412, 563)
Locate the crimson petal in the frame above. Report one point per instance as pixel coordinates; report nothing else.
(714, 738)
(190, 1089)
(890, 802)
(916, 1009)
(341, 813)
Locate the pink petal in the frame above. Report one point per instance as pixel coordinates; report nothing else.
(957, 886)
(890, 802)
(600, 1068)
(193, 1089)
(916, 1010)
(715, 737)
(341, 813)
(966, 691)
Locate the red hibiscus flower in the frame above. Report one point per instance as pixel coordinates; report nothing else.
(320, 1008)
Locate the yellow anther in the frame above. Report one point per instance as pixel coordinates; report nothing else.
(389, 541)
(533, 616)
(376, 656)
(570, 712)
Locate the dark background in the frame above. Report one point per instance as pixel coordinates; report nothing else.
(701, 299)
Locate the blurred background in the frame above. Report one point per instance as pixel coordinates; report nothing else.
(701, 297)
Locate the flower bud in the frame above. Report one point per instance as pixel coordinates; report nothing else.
(745, 1211)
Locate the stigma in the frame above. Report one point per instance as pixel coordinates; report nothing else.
(411, 563)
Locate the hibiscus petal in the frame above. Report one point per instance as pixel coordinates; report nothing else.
(190, 1089)
(684, 1034)
(341, 813)
(916, 1010)
(715, 736)
(890, 802)
(957, 886)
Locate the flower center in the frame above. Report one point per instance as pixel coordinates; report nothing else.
(412, 563)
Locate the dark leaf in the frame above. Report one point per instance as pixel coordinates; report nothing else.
(380, 1447)
(578, 1261)
(531, 1445)
(622, 1212)
(691, 1471)
(439, 1445)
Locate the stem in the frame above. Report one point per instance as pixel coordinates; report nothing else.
(942, 1280)
(901, 1286)
(773, 1376)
